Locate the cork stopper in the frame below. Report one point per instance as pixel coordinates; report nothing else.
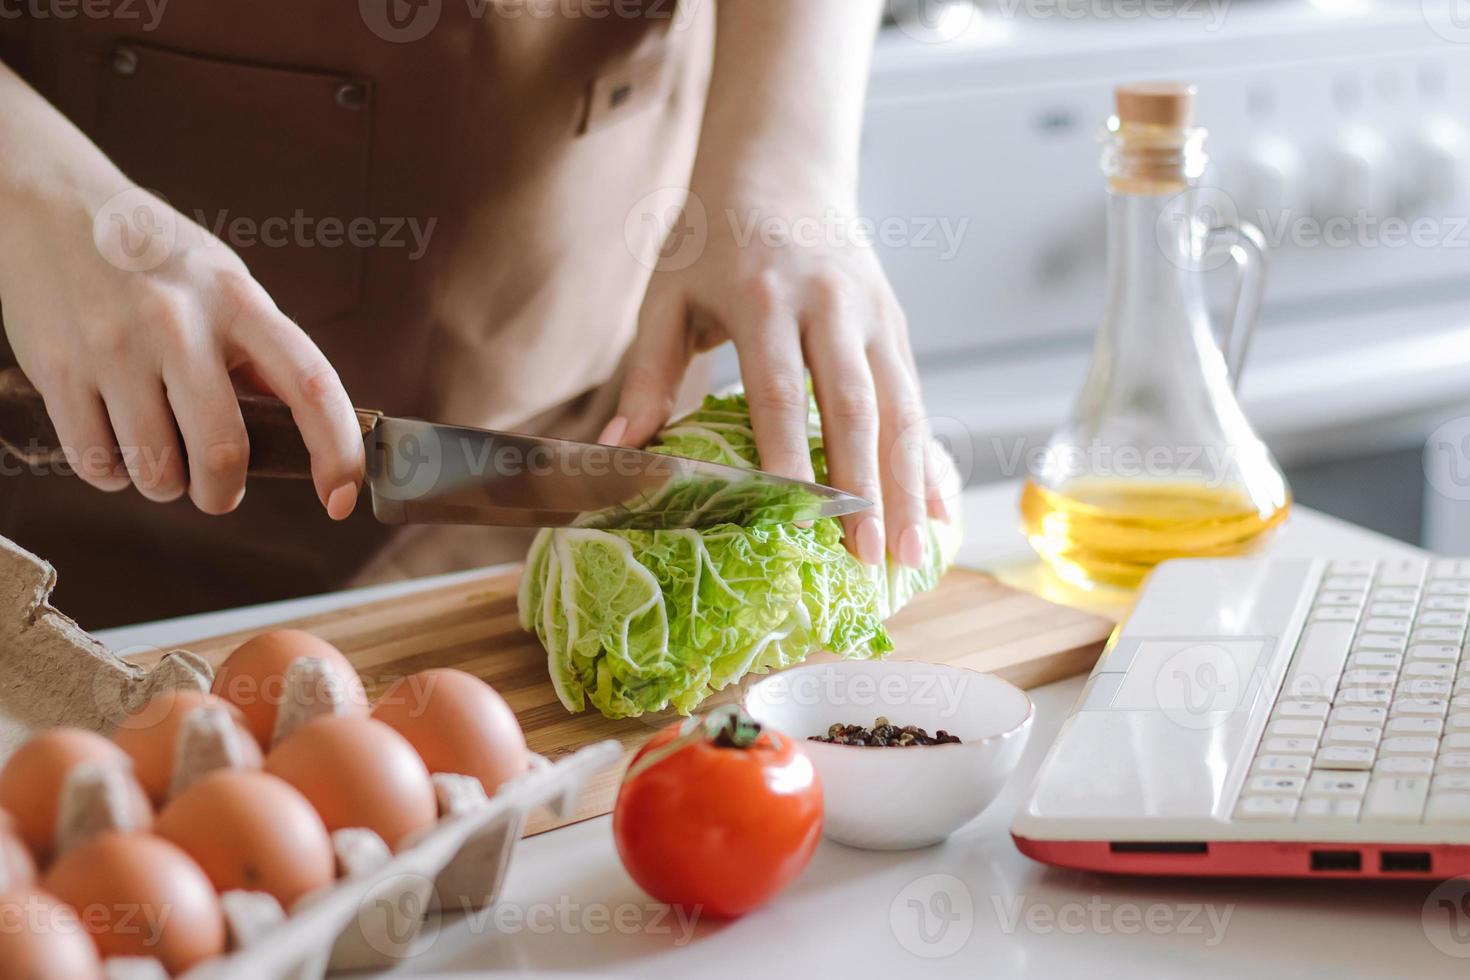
(1153, 146)
(1168, 104)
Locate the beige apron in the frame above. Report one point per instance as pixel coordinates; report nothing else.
(495, 149)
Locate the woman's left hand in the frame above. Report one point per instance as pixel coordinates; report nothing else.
(795, 289)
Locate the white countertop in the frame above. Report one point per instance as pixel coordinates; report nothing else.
(973, 906)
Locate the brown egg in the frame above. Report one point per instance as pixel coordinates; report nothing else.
(150, 734)
(358, 773)
(253, 678)
(251, 831)
(41, 939)
(139, 895)
(30, 783)
(457, 723)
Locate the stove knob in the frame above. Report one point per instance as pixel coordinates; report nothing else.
(1356, 176)
(1437, 171)
(1270, 182)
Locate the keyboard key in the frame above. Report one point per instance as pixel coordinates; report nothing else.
(1451, 603)
(1370, 696)
(1289, 746)
(1450, 784)
(1275, 785)
(1453, 763)
(1458, 723)
(1430, 669)
(1392, 609)
(1448, 808)
(1449, 620)
(1369, 678)
(1411, 725)
(1426, 748)
(1295, 728)
(1376, 659)
(1437, 634)
(1318, 661)
(1404, 765)
(1345, 757)
(1352, 600)
(1329, 808)
(1396, 594)
(1341, 614)
(1266, 808)
(1423, 707)
(1450, 568)
(1348, 583)
(1386, 624)
(1351, 566)
(1307, 710)
(1423, 689)
(1357, 715)
(1402, 571)
(1387, 642)
(1397, 799)
(1282, 765)
(1438, 652)
(1359, 735)
(1441, 587)
(1339, 784)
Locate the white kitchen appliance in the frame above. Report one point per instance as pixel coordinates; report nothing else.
(1337, 126)
(1271, 717)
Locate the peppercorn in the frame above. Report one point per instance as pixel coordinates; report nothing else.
(883, 734)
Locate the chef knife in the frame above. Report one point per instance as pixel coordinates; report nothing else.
(425, 473)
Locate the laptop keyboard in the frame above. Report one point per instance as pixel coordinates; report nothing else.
(1373, 720)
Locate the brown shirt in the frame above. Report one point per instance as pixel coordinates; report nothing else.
(436, 190)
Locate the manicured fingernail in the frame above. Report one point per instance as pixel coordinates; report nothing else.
(939, 508)
(341, 501)
(911, 546)
(614, 432)
(870, 541)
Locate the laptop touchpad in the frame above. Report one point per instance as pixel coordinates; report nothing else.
(1191, 677)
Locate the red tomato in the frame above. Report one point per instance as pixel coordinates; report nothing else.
(718, 815)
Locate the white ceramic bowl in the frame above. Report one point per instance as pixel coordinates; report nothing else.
(895, 798)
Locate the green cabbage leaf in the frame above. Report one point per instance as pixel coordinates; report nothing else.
(643, 621)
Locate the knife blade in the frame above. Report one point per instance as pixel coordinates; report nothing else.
(428, 473)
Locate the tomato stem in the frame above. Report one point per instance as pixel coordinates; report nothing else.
(730, 727)
(727, 727)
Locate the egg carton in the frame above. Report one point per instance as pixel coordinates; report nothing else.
(371, 917)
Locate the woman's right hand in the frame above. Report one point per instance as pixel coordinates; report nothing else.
(131, 321)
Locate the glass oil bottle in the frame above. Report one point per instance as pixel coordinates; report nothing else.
(1157, 459)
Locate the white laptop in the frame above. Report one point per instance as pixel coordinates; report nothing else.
(1271, 717)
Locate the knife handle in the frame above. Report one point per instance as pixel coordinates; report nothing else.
(276, 449)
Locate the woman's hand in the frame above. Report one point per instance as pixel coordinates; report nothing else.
(793, 291)
(133, 342)
(130, 319)
(774, 193)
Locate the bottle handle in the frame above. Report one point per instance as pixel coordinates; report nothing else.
(1248, 251)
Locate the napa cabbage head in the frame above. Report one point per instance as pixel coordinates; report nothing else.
(641, 621)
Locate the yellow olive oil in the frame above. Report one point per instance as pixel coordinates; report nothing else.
(1113, 531)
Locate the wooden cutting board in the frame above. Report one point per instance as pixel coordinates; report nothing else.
(970, 620)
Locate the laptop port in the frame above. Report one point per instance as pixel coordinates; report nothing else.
(1337, 861)
(1403, 861)
(1158, 847)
